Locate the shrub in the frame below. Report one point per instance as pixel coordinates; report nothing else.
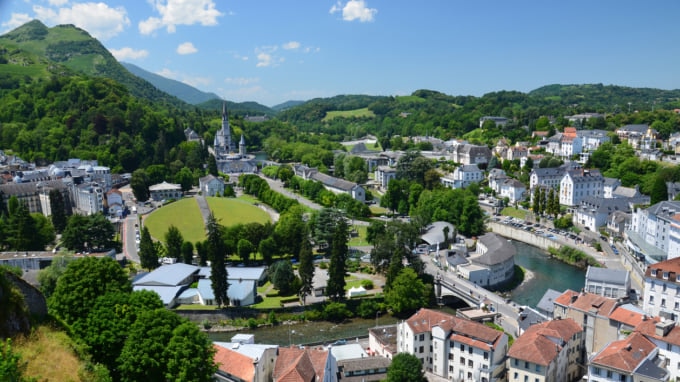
(367, 284)
(323, 265)
(252, 323)
(368, 308)
(336, 312)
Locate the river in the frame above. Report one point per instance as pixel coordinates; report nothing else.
(547, 273)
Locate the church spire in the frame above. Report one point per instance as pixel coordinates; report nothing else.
(224, 110)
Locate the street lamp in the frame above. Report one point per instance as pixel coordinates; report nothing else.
(289, 339)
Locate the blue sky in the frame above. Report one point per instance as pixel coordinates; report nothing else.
(272, 51)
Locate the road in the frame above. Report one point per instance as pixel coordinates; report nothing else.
(129, 236)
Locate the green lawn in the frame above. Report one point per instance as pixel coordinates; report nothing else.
(359, 241)
(230, 211)
(183, 214)
(514, 212)
(364, 112)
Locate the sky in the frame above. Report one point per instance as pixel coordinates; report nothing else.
(273, 51)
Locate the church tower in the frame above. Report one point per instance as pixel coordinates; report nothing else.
(223, 143)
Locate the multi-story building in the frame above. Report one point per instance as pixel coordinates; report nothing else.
(465, 153)
(36, 195)
(662, 289)
(592, 139)
(634, 358)
(665, 334)
(576, 184)
(613, 283)
(89, 198)
(603, 319)
(512, 189)
(454, 348)
(496, 177)
(383, 175)
(211, 185)
(499, 121)
(651, 229)
(566, 144)
(550, 176)
(463, 176)
(593, 212)
(165, 191)
(493, 262)
(551, 351)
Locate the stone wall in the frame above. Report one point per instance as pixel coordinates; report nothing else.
(523, 236)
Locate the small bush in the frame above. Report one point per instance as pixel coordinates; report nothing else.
(336, 312)
(290, 299)
(252, 323)
(367, 284)
(323, 265)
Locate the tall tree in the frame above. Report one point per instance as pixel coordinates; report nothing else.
(337, 269)
(83, 281)
(189, 355)
(407, 293)
(212, 166)
(659, 190)
(405, 367)
(306, 269)
(216, 252)
(187, 252)
(173, 242)
(148, 257)
(202, 253)
(282, 276)
(23, 230)
(244, 248)
(59, 218)
(88, 232)
(139, 182)
(268, 249)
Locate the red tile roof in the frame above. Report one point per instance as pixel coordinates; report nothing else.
(648, 328)
(538, 345)
(319, 359)
(587, 302)
(293, 365)
(423, 321)
(626, 316)
(671, 266)
(234, 363)
(626, 354)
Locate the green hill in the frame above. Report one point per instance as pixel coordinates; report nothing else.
(42, 51)
(186, 93)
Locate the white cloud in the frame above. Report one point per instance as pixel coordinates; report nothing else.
(57, 3)
(186, 48)
(128, 53)
(264, 60)
(17, 20)
(354, 10)
(266, 57)
(195, 81)
(291, 45)
(240, 81)
(98, 19)
(180, 12)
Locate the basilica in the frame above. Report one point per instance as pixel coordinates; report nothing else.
(229, 160)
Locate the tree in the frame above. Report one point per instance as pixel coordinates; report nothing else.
(268, 249)
(185, 178)
(10, 362)
(289, 231)
(407, 293)
(23, 230)
(202, 253)
(306, 269)
(58, 208)
(395, 267)
(173, 242)
(282, 276)
(405, 367)
(83, 281)
(189, 355)
(139, 182)
(188, 252)
(88, 232)
(335, 288)
(148, 257)
(212, 166)
(216, 252)
(47, 277)
(245, 248)
(659, 190)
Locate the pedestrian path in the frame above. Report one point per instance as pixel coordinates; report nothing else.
(203, 207)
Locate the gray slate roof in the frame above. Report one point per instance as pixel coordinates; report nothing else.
(498, 250)
(606, 275)
(167, 275)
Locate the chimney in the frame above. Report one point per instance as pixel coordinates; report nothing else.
(662, 328)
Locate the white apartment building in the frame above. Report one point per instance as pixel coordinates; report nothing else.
(665, 334)
(578, 183)
(463, 176)
(654, 231)
(634, 358)
(89, 198)
(454, 348)
(662, 289)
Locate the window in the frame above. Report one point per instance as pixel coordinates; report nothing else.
(422, 349)
(609, 374)
(516, 375)
(451, 369)
(651, 300)
(653, 272)
(486, 355)
(470, 363)
(665, 276)
(663, 288)
(622, 378)
(526, 364)
(462, 347)
(450, 356)
(538, 368)
(663, 302)
(422, 337)
(470, 349)
(596, 371)
(517, 363)
(462, 361)
(526, 378)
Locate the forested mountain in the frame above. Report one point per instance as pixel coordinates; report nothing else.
(186, 93)
(33, 51)
(287, 105)
(238, 108)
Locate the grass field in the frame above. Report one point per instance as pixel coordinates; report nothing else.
(356, 113)
(359, 241)
(185, 215)
(514, 212)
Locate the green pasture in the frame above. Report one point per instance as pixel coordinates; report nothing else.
(514, 212)
(185, 215)
(356, 113)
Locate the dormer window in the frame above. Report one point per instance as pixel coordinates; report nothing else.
(665, 276)
(653, 272)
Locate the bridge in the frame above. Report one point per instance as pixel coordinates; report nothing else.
(448, 287)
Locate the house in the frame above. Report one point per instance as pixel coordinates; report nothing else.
(210, 185)
(499, 121)
(662, 289)
(238, 362)
(551, 351)
(565, 144)
(512, 189)
(364, 369)
(579, 119)
(165, 191)
(383, 175)
(452, 347)
(334, 185)
(382, 341)
(613, 283)
(592, 139)
(578, 183)
(463, 176)
(602, 318)
(550, 176)
(594, 212)
(673, 143)
(608, 187)
(617, 223)
(493, 262)
(634, 358)
(192, 136)
(305, 365)
(468, 154)
(438, 234)
(89, 198)
(114, 201)
(168, 281)
(665, 335)
(648, 234)
(516, 152)
(496, 177)
(633, 131)
(673, 189)
(546, 304)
